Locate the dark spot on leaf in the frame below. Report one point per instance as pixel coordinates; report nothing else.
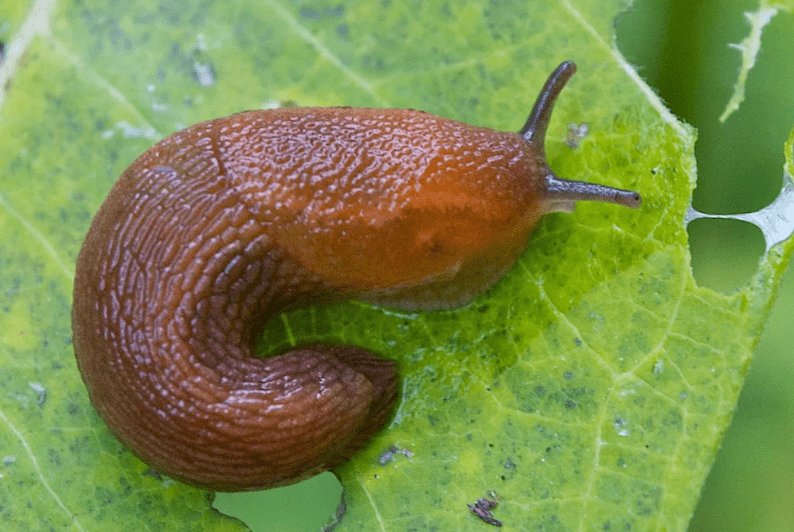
(127, 488)
(307, 12)
(372, 62)
(55, 458)
(103, 496)
(119, 39)
(314, 14)
(80, 445)
(149, 472)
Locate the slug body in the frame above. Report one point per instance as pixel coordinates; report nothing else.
(221, 226)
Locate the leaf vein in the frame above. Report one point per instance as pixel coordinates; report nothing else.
(39, 236)
(36, 467)
(373, 505)
(100, 81)
(325, 52)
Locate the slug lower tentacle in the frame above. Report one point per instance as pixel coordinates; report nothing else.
(221, 226)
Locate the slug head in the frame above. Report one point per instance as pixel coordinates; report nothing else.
(442, 214)
(480, 246)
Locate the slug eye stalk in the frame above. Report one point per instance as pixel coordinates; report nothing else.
(534, 129)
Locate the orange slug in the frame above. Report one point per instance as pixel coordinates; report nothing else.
(221, 226)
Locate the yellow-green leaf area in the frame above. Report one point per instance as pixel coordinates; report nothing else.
(589, 389)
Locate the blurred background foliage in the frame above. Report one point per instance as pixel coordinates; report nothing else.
(681, 49)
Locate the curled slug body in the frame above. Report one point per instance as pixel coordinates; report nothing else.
(219, 227)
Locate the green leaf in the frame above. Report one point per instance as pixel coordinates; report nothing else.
(589, 389)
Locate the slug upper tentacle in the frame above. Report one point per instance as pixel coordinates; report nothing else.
(534, 130)
(221, 226)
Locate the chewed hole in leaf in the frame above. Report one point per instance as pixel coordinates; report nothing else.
(285, 508)
(716, 244)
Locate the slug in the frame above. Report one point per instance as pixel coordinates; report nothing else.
(221, 226)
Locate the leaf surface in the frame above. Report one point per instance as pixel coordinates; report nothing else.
(589, 389)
